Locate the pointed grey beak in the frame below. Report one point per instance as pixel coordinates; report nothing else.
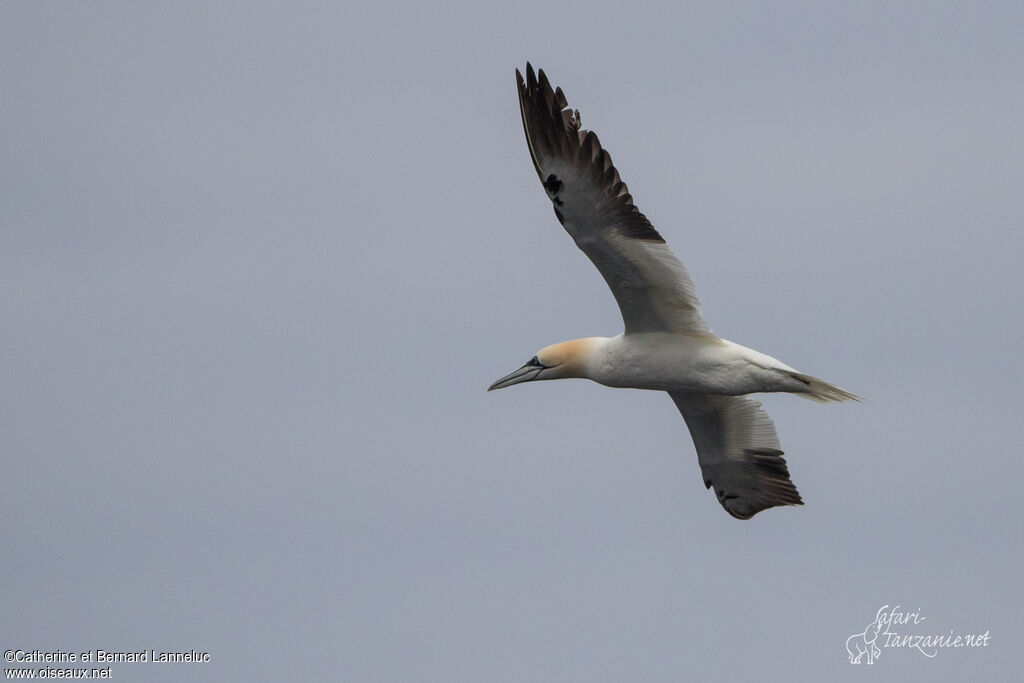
(524, 374)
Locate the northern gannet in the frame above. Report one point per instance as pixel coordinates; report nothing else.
(666, 345)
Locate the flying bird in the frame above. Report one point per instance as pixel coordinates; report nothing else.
(667, 345)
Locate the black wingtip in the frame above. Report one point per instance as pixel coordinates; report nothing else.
(554, 130)
(542, 79)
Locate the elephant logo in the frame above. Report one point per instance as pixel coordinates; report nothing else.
(860, 644)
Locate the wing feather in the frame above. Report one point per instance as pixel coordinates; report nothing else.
(738, 452)
(653, 290)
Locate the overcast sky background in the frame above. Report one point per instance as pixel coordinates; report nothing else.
(259, 263)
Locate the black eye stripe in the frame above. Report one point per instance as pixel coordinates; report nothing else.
(533, 361)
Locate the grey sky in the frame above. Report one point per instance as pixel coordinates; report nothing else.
(259, 263)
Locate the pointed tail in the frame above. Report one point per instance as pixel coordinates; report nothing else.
(821, 391)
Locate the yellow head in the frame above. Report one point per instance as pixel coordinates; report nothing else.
(558, 361)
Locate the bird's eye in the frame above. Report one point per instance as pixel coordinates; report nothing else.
(534, 361)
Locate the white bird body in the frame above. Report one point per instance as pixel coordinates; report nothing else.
(686, 363)
(667, 345)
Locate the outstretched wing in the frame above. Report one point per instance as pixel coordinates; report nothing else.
(653, 290)
(738, 451)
